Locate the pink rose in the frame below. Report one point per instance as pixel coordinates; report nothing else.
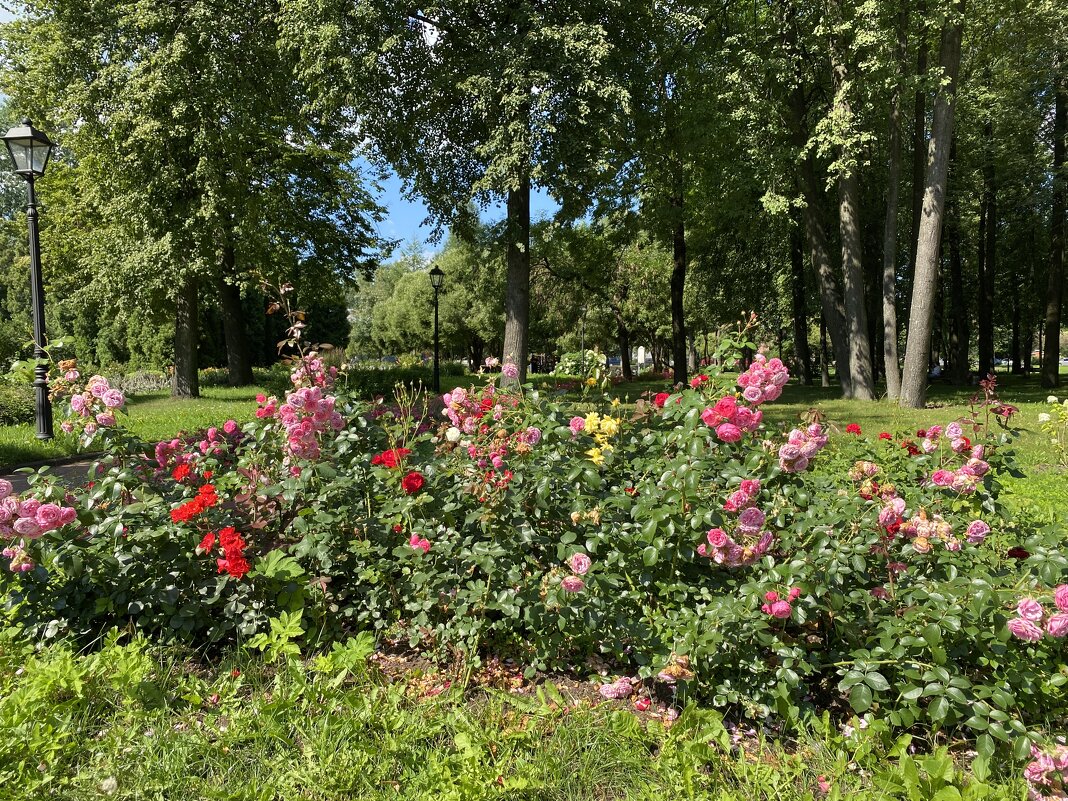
(77, 403)
(48, 516)
(1025, 629)
(27, 527)
(5, 488)
(113, 399)
(726, 406)
(576, 425)
(753, 394)
(717, 538)
(1060, 597)
(1057, 625)
(105, 419)
(781, 610)
(572, 583)
(977, 531)
(728, 432)
(580, 563)
(1029, 609)
(751, 520)
(751, 486)
(942, 478)
(509, 370)
(954, 431)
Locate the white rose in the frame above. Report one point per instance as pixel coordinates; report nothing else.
(453, 434)
(1043, 418)
(1052, 399)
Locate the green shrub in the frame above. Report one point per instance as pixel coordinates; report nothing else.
(681, 542)
(16, 404)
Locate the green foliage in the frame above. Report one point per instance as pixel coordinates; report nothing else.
(133, 717)
(16, 403)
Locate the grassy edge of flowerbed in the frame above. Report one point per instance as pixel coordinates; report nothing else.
(136, 720)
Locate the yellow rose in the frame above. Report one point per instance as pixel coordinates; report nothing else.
(609, 426)
(595, 455)
(593, 420)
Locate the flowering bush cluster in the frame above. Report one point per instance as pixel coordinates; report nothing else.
(781, 568)
(1054, 424)
(93, 405)
(1032, 621)
(27, 519)
(1047, 774)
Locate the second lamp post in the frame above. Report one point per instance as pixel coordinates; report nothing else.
(437, 278)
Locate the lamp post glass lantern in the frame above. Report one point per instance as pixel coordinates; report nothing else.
(29, 150)
(437, 280)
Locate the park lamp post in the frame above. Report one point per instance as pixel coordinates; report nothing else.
(437, 278)
(29, 150)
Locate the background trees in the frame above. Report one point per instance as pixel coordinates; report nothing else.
(707, 160)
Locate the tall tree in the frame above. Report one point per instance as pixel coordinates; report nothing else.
(1055, 282)
(472, 103)
(197, 154)
(921, 316)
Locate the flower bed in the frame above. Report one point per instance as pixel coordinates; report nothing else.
(682, 540)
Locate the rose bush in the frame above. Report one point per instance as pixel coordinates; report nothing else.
(681, 540)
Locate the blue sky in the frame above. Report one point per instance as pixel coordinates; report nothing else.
(404, 216)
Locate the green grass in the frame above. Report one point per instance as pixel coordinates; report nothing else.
(152, 417)
(140, 721)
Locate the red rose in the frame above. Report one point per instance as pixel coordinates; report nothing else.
(853, 428)
(661, 399)
(391, 458)
(207, 543)
(885, 435)
(413, 482)
(180, 473)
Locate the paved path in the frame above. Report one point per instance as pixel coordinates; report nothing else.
(70, 473)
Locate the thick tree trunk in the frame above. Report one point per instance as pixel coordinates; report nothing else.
(800, 313)
(517, 290)
(919, 134)
(238, 358)
(856, 315)
(987, 240)
(185, 383)
(1051, 370)
(891, 360)
(475, 348)
(860, 372)
(958, 334)
(678, 287)
(914, 379)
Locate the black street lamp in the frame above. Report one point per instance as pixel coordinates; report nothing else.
(29, 150)
(437, 278)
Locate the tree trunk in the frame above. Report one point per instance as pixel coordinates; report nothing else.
(830, 296)
(891, 363)
(678, 286)
(238, 358)
(623, 334)
(1051, 358)
(517, 291)
(921, 315)
(856, 316)
(825, 373)
(958, 334)
(474, 349)
(800, 313)
(185, 383)
(987, 239)
(1015, 352)
(919, 134)
(860, 373)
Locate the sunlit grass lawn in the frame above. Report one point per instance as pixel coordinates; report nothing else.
(152, 417)
(155, 416)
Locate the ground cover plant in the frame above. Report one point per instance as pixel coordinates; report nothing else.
(136, 720)
(682, 544)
